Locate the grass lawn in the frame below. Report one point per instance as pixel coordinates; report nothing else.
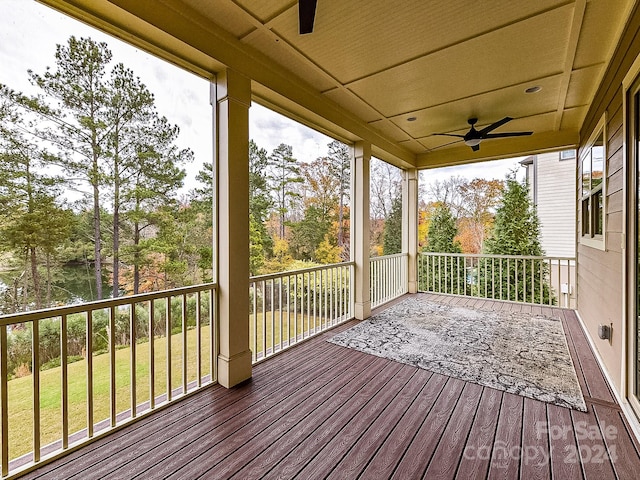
(20, 390)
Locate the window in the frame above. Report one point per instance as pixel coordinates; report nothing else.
(592, 189)
(567, 154)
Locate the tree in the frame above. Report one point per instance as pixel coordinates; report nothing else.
(34, 221)
(340, 155)
(392, 234)
(107, 133)
(307, 234)
(516, 232)
(260, 203)
(442, 232)
(386, 185)
(74, 118)
(479, 198)
(448, 192)
(446, 273)
(284, 171)
(152, 179)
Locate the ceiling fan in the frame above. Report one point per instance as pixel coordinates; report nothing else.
(306, 15)
(473, 137)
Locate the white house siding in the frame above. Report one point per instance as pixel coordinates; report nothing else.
(555, 186)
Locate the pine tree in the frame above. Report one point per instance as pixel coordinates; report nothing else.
(392, 234)
(443, 273)
(442, 232)
(33, 220)
(516, 232)
(284, 171)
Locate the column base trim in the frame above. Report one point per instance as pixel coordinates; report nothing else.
(362, 310)
(234, 370)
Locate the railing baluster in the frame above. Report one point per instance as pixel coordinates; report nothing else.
(4, 400)
(533, 281)
(315, 296)
(168, 333)
(559, 284)
(89, 354)
(524, 280)
(184, 344)
(198, 339)
(307, 315)
(152, 354)
(35, 373)
(295, 307)
(268, 315)
(325, 311)
(132, 351)
(112, 365)
(64, 381)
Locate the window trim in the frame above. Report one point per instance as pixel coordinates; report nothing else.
(589, 239)
(567, 154)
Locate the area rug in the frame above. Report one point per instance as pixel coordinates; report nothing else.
(516, 352)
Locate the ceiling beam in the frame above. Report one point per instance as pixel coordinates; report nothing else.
(572, 47)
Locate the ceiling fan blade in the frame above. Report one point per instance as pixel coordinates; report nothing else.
(493, 126)
(306, 15)
(507, 134)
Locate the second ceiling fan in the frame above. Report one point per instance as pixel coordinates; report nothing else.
(473, 137)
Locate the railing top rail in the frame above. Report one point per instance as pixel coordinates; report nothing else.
(486, 255)
(21, 317)
(384, 257)
(290, 273)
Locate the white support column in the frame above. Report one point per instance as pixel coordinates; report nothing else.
(233, 99)
(360, 230)
(410, 224)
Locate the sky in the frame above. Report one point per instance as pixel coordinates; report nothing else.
(30, 31)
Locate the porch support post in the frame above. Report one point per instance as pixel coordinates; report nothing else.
(360, 230)
(233, 99)
(410, 225)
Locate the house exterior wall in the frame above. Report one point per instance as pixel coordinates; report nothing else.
(600, 271)
(555, 203)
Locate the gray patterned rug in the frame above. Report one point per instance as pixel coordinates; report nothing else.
(516, 352)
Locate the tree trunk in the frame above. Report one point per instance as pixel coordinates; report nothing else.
(48, 279)
(97, 244)
(116, 234)
(136, 257)
(34, 276)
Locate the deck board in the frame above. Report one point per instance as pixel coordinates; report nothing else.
(323, 411)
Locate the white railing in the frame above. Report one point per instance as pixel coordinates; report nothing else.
(518, 278)
(388, 277)
(289, 307)
(113, 361)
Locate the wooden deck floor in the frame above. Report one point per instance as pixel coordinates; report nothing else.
(323, 411)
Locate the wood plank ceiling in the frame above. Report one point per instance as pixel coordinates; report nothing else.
(437, 62)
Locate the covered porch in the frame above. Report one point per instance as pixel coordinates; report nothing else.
(319, 410)
(323, 411)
